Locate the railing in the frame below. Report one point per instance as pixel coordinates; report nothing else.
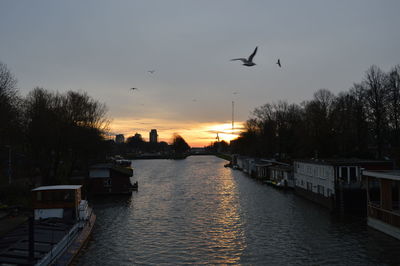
(389, 217)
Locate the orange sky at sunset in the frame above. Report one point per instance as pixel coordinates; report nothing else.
(196, 134)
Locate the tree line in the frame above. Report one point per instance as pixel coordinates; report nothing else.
(362, 122)
(48, 134)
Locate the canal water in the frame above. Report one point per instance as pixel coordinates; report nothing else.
(195, 211)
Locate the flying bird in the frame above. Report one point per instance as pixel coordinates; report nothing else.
(151, 71)
(134, 89)
(279, 63)
(247, 61)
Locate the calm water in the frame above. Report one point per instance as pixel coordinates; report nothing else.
(195, 211)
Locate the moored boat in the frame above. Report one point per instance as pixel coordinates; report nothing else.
(111, 179)
(61, 224)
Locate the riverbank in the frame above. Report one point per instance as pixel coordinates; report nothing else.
(224, 156)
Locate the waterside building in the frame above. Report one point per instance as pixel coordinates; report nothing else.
(335, 183)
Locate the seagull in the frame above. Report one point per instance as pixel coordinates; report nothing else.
(247, 61)
(151, 71)
(279, 62)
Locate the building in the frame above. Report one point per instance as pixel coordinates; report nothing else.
(153, 136)
(383, 190)
(119, 138)
(137, 136)
(336, 184)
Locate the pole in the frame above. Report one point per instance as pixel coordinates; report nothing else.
(233, 105)
(31, 241)
(9, 164)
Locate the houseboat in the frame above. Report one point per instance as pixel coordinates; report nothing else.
(281, 176)
(260, 170)
(60, 226)
(383, 191)
(108, 178)
(118, 160)
(334, 183)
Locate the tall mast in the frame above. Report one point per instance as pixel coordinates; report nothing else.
(233, 106)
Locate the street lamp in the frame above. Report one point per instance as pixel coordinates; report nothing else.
(9, 163)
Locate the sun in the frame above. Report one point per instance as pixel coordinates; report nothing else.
(225, 131)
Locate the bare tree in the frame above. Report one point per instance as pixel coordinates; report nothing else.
(75, 136)
(375, 84)
(394, 103)
(9, 107)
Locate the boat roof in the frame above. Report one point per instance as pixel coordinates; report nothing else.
(344, 162)
(391, 174)
(59, 187)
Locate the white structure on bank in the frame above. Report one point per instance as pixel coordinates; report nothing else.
(335, 183)
(383, 188)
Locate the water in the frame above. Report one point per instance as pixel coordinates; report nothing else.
(195, 211)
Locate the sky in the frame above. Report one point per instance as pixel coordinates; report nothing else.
(105, 48)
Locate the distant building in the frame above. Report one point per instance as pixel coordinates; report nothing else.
(119, 138)
(153, 136)
(137, 136)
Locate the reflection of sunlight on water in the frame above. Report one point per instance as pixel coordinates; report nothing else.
(228, 234)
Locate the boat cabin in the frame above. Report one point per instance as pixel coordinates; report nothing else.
(282, 176)
(383, 191)
(261, 170)
(63, 201)
(109, 178)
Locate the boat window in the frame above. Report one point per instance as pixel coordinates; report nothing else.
(107, 182)
(309, 186)
(374, 191)
(55, 196)
(395, 195)
(353, 176)
(321, 189)
(343, 171)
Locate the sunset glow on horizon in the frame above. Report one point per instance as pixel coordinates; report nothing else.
(196, 134)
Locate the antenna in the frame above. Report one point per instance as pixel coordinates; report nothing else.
(217, 138)
(233, 106)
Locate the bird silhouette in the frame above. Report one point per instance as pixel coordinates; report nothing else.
(134, 89)
(279, 63)
(248, 61)
(151, 71)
